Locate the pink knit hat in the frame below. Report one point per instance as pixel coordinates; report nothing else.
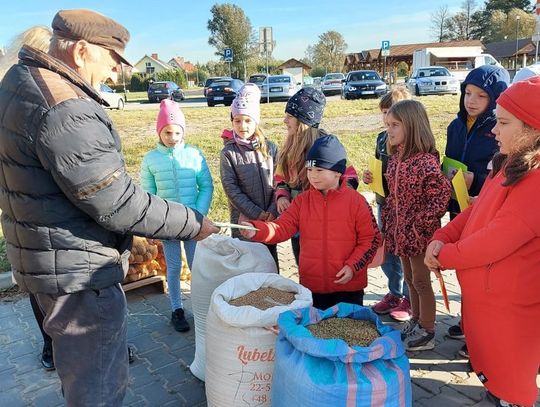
(170, 113)
(522, 99)
(248, 102)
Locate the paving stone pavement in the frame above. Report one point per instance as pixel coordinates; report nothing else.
(160, 375)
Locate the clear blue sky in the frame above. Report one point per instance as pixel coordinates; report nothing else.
(178, 27)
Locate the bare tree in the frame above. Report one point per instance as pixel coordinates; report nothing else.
(440, 24)
(461, 24)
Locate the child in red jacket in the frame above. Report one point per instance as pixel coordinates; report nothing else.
(494, 246)
(418, 198)
(338, 233)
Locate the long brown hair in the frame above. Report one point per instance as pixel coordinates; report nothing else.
(292, 156)
(524, 157)
(418, 135)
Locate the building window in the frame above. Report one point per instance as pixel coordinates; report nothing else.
(149, 68)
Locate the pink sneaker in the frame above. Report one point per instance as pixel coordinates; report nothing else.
(384, 306)
(402, 311)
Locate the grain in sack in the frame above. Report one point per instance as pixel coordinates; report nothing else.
(217, 259)
(239, 344)
(315, 372)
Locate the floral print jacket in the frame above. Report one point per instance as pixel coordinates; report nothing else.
(418, 198)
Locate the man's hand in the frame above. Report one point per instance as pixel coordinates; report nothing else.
(430, 259)
(282, 204)
(367, 177)
(344, 275)
(207, 229)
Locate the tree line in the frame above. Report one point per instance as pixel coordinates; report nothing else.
(495, 20)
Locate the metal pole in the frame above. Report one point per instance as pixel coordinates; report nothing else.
(517, 42)
(123, 81)
(230, 72)
(536, 54)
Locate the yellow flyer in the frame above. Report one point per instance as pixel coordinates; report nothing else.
(460, 189)
(375, 166)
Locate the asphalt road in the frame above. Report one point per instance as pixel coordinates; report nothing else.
(193, 99)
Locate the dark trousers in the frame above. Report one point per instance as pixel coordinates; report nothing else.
(88, 331)
(324, 301)
(295, 243)
(272, 248)
(38, 314)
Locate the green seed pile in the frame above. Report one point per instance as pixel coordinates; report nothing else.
(264, 298)
(356, 332)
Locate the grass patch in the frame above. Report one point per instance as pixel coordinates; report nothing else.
(356, 123)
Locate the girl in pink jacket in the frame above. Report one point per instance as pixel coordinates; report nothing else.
(418, 198)
(494, 246)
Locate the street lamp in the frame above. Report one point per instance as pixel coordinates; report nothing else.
(517, 39)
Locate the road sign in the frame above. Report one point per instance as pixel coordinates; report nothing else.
(385, 45)
(228, 55)
(385, 52)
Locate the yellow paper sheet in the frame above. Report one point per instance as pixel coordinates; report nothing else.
(460, 189)
(375, 166)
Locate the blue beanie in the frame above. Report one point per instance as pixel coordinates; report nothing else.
(307, 105)
(327, 152)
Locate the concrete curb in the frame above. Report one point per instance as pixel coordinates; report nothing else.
(6, 280)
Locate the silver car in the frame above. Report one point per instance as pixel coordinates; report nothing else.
(278, 87)
(433, 80)
(331, 83)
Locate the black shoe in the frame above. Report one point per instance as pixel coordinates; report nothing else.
(47, 360)
(455, 332)
(178, 320)
(464, 352)
(131, 354)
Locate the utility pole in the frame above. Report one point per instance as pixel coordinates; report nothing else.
(517, 41)
(266, 45)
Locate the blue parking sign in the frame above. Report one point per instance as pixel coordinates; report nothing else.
(228, 54)
(385, 45)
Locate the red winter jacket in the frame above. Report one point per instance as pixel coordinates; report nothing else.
(335, 230)
(495, 247)
(418, 198)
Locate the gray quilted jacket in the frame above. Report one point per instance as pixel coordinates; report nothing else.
(247, 179)
(69, 208)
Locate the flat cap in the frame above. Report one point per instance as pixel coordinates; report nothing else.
(93, 27)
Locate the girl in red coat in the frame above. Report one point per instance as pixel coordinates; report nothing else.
(338, 233)
(418, 198)
(495, 247)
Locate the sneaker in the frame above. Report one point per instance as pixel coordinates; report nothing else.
(384, 306)
(47, 360)
(455, 332)
(498, 402)
(409, 326)
(464, 352)
(402, 312)
(178, 320)
(420, 339)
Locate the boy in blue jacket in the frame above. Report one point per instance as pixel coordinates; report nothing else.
(469, 138)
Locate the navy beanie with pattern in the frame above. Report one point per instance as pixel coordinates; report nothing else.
(327, 152)
(307, 105)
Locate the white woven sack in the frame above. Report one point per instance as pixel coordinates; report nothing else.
(239, 347)
(217, 259)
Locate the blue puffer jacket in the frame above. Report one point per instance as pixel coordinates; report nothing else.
(178, 174)
(476, 147)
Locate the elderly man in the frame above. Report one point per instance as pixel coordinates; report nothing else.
(69, 208)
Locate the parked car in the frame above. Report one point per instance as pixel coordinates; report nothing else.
(223, 91)
(158, 91)
(257, 79)
(211, 80)
(115, 100)
(433, 80)
(317, 82)
(278, 87)
(331, 83)
(358, 84)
